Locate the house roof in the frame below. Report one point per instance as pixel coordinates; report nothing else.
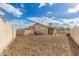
(37, 24)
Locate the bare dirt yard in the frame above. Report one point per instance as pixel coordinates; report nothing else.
(42, 45)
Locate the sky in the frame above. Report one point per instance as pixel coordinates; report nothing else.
(22, 15)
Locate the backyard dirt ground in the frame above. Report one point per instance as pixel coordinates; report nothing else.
(42, 45)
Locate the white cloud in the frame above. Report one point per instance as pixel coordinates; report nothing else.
(44, 4)
(10, 9)
(71, 22)
(19, 23)
(49, 12)
(44, 20)
(74, 9)
(53, 17)
(41, 5)
(51, 4)
(16, 23)
(22, 5)
(2, 13)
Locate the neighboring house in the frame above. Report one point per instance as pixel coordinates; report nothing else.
(39, 29)
(28, 31)
(19, 32)
(25, 31)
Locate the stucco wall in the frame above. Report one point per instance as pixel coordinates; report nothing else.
(75, 35)
(28, 32)
(7, 34)
(41, 29)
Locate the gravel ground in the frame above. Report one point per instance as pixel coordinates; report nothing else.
(41, 45)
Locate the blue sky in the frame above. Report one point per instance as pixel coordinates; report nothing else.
(21, 15)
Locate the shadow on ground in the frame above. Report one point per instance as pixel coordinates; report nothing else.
(73, 46)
